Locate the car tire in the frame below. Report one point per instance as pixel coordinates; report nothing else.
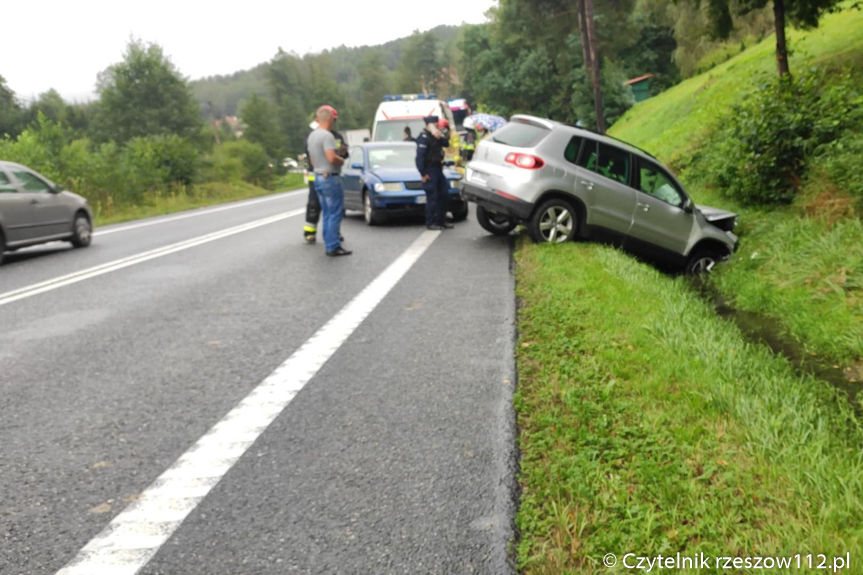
(702, 261)
(2, 247)
(82, 231)
(556, 221)
(371, 215)
(459, 211)
(496, 224)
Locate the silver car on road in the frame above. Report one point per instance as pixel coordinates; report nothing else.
(34, 210)
(564, 182)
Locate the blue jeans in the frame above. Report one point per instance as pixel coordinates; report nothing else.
(332, 197)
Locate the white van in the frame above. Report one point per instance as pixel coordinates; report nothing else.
(396, 113)
(357, 137)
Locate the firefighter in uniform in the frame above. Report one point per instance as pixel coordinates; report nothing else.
(431, 144)
(452, 151)
(468, 145)
(313, 205)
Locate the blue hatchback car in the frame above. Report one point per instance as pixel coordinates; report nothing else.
(381, 179)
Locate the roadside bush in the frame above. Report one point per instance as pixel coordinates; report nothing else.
(762, 150)
(107, 175)
(176, 158)
(237, 161)
(839, 160)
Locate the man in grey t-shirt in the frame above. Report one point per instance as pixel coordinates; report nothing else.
(328, 182)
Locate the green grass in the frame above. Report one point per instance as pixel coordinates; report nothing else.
(200, 195)
(649, 425)
(678, 120)
(806, 272)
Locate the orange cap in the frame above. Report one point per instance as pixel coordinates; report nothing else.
(330, 109)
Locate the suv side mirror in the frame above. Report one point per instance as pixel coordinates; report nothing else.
(56, 189)
(688, 206)
(357, 166)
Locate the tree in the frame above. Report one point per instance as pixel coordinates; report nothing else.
(374, 83)
(145, 95)
(801, 13)
(587, 31)
(420, 66)
(325, 90)
(262, 125)
(11, 114)
(291, 99)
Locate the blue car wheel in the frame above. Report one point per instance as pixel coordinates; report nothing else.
(371, 214)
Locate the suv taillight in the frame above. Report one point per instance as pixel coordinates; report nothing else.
(525, 161)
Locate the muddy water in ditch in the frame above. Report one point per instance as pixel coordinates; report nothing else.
(761, 329)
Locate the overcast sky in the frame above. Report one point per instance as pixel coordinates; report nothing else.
(64, 44)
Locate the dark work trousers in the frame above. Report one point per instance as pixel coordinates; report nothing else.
(313, 211)
(437, 197)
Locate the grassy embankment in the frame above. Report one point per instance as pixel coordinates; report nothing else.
(201, 195)
(649, 425)
(804, 270)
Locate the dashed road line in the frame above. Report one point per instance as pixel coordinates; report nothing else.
(131, 540)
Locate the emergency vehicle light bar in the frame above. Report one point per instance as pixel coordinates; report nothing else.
(398, 97)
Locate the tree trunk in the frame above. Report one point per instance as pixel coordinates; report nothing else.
(582, 32)
(781, 49)
(594, 61)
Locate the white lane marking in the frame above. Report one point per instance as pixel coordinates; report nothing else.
(136, 534)
(85, 274)
(196, 213)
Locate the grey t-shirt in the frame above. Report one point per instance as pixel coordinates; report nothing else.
(320, 141)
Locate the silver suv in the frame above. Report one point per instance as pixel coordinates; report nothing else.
(34, 210)
(564, 182)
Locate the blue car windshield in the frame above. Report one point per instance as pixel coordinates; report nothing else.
(394, 130)
(400, 157)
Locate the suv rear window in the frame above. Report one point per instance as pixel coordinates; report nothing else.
(520, 135)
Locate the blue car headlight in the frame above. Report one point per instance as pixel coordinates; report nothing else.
(388, 187)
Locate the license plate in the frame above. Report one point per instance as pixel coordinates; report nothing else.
(421, 199)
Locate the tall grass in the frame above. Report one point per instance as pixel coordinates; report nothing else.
(649, 425)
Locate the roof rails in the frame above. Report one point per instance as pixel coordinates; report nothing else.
(631, 145)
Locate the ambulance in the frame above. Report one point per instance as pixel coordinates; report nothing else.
(397, 112)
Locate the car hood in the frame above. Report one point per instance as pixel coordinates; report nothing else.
(714, 214)
(407, 174)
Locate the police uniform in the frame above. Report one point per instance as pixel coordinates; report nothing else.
(429, 161)
(313, 205)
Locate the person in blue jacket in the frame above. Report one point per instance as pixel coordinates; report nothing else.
(431, 144)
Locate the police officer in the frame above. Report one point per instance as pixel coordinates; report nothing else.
(313, 205)
(431, 144)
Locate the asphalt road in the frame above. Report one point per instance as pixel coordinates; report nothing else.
(146, 425)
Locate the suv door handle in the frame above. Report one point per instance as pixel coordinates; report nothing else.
(34, 201)
(588, 185)
(644, 207)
